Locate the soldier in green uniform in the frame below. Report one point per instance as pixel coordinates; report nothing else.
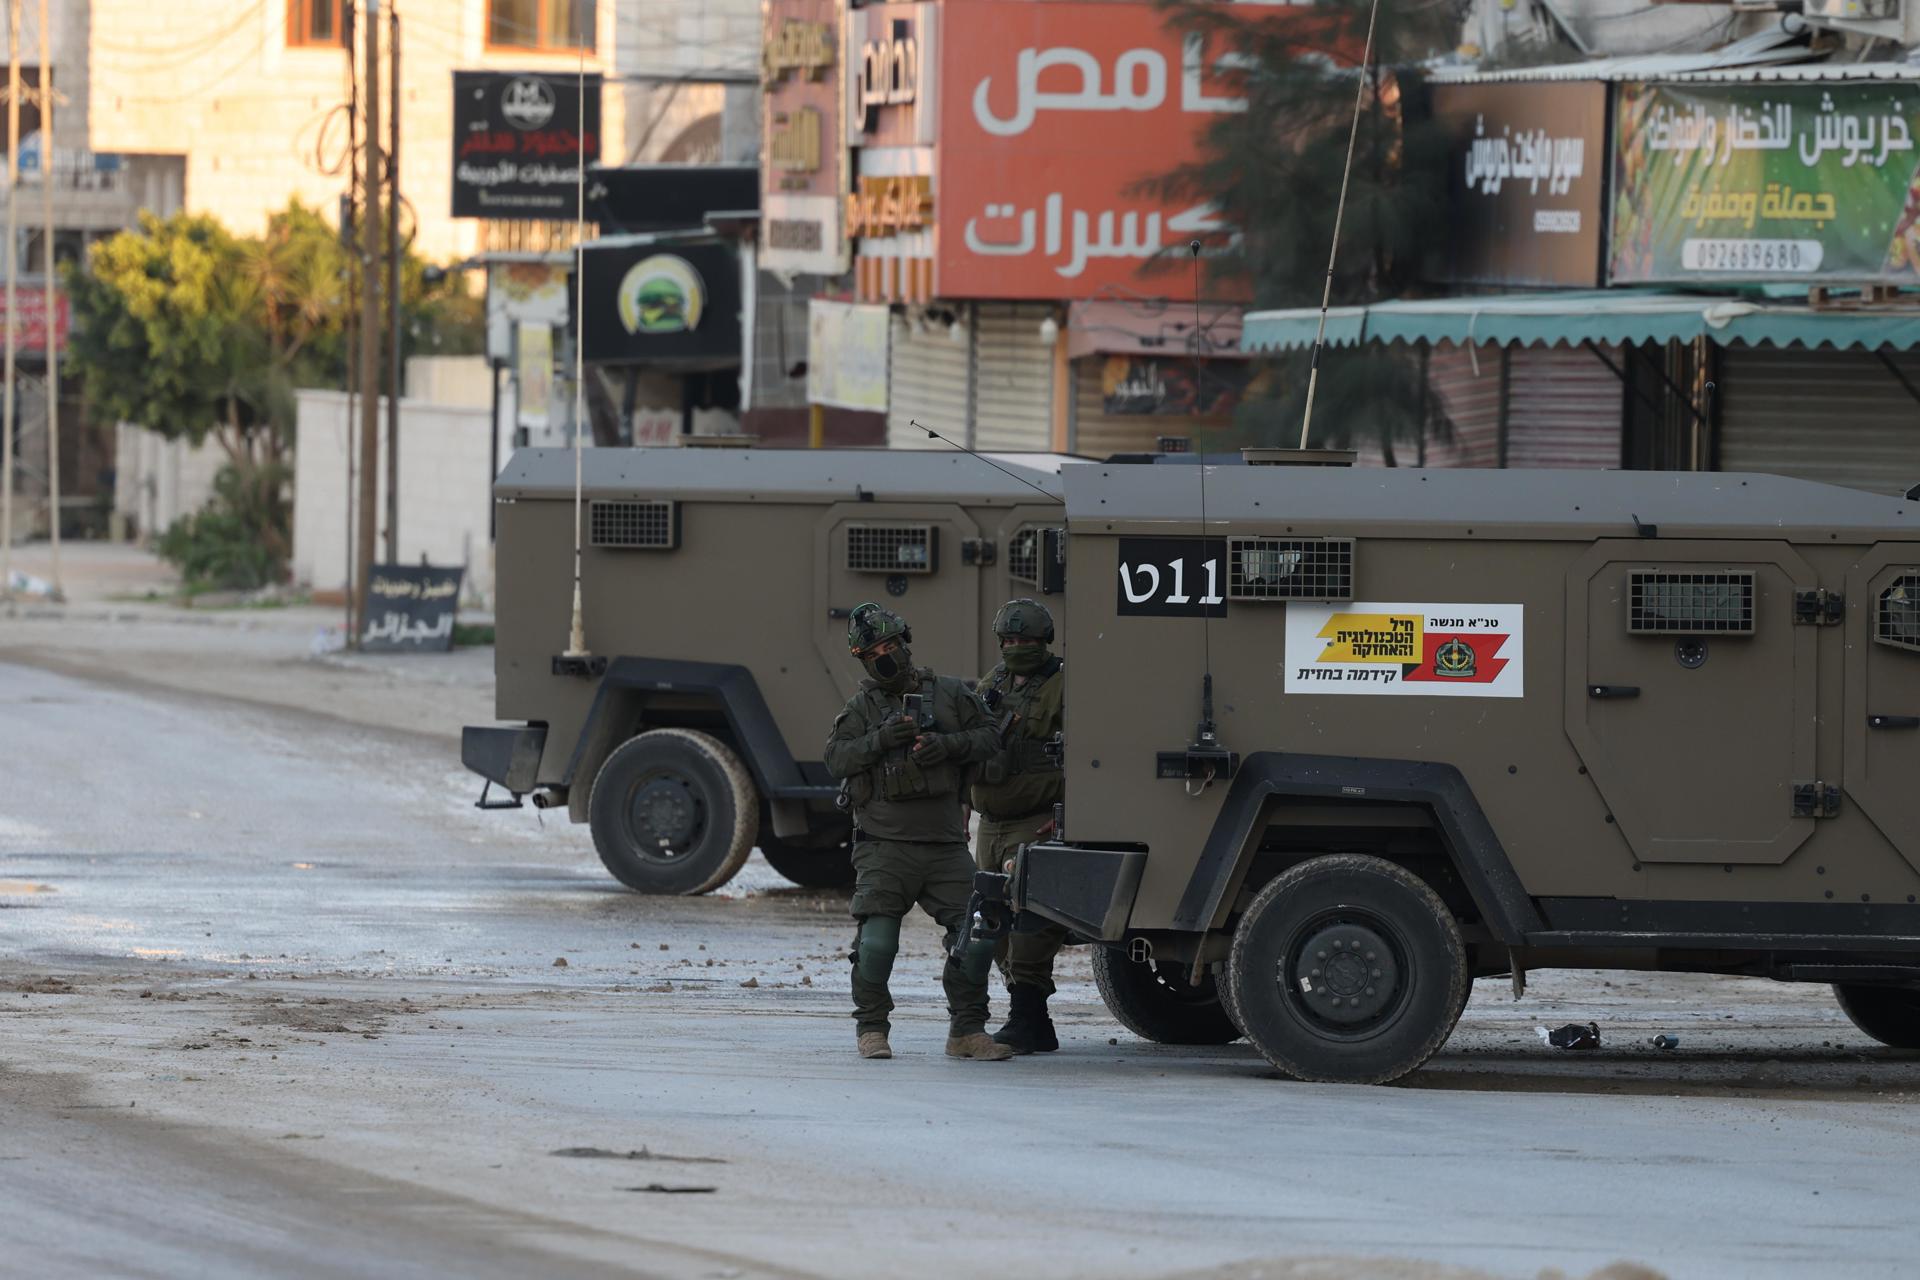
(1014, 793)
(903, 776)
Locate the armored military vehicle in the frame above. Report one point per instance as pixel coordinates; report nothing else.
(1360, 736)
(716, 586)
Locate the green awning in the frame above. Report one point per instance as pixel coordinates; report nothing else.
(1576, 316)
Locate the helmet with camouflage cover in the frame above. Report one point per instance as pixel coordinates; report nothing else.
(1028, 619)
(870, 628)
(1025, 629)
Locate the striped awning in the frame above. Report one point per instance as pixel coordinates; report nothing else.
(1572, 317)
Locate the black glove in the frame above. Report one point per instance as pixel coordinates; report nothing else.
(932, 749)
(896, 733)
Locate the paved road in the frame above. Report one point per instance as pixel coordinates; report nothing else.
(274, 998)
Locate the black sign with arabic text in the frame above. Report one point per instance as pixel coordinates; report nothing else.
(517, 143)
(410, 609)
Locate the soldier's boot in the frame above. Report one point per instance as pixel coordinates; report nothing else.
(1027, 1029)
(873, 1044)
(979, 1046)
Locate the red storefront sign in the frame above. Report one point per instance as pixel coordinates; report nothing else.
(1051, 114)
(30, 318)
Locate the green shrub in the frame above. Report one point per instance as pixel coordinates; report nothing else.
(238, 541)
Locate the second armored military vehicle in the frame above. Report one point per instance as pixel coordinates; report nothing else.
(716, 586)
(1358, 736)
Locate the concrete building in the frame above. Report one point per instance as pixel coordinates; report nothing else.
(249, 96)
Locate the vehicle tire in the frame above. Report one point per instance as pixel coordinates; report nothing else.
(826, 866)
(1153, 1000)
(673, 811)
(1384, 970)
(1890, 1015)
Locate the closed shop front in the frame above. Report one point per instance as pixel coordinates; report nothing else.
(1564, 408)
(1841, 417)
(1106, 423)
(1012, 378)
(929, 380)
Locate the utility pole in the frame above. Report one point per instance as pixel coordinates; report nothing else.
(369, 325)
(393, 288)
(13, 185)
(348, 233)
(52, 327)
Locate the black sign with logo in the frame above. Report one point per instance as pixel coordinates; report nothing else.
(410, 609)
(516, 143)
(1173, 577)
(663, 303)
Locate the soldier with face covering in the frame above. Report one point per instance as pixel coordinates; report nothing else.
(1014, 792)
(902, 775)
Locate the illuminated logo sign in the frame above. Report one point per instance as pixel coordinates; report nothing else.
(661, 294)
(888, 206)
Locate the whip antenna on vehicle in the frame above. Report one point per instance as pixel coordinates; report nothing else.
(1339, 212)
(577, 632)
(1204, 736)
(935, 435)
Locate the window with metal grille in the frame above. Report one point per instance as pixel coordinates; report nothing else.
(1023, 556)
(1289, 568)
(890, 548)
(1661, 603)
(1898, 620)
(651, 525)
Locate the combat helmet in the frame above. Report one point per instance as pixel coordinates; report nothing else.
(870, 623)
(1026, 618)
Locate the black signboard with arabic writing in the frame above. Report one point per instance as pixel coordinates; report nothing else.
(410, 609)
(1524, 168)
(517, 143)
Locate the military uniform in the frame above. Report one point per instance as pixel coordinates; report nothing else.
(905, 791)
(1014, 792)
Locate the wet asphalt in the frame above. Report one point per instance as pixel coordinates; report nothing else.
(250, 928)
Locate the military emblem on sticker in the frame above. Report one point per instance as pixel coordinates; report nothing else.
(1409, 650)
(1454, 660)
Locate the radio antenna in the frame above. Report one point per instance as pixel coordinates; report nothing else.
(1339, 213)
(935, 435)
(1204, 736)
(577, 632)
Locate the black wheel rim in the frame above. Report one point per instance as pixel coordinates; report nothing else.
(1345, 974)
(666, 816)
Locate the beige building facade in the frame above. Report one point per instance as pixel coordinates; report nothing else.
(251, 94)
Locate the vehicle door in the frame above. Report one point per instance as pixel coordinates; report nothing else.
(1690, 695)
(906, 556)
(1881, 726)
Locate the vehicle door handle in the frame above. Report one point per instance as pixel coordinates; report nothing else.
(1613, 691)
(1893, 722)
(839, 615)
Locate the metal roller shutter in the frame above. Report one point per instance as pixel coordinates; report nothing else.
(929, 380)
(1564, 408)
(1099, 434)
(1013, 377)
(1467, 380)
(1841, 417)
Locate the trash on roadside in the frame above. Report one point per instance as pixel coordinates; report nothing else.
(1666, 1042)
(1574, 1035)
(23, 583)
(328, 640)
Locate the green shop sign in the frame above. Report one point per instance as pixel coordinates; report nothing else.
(1812, 182)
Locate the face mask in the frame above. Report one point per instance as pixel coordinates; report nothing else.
(890, 669)
(1024, 659)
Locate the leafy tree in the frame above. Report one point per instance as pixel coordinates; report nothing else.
(1274, 172)
(197, 334)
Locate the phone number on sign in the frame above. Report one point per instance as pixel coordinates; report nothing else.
(1751, 255)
